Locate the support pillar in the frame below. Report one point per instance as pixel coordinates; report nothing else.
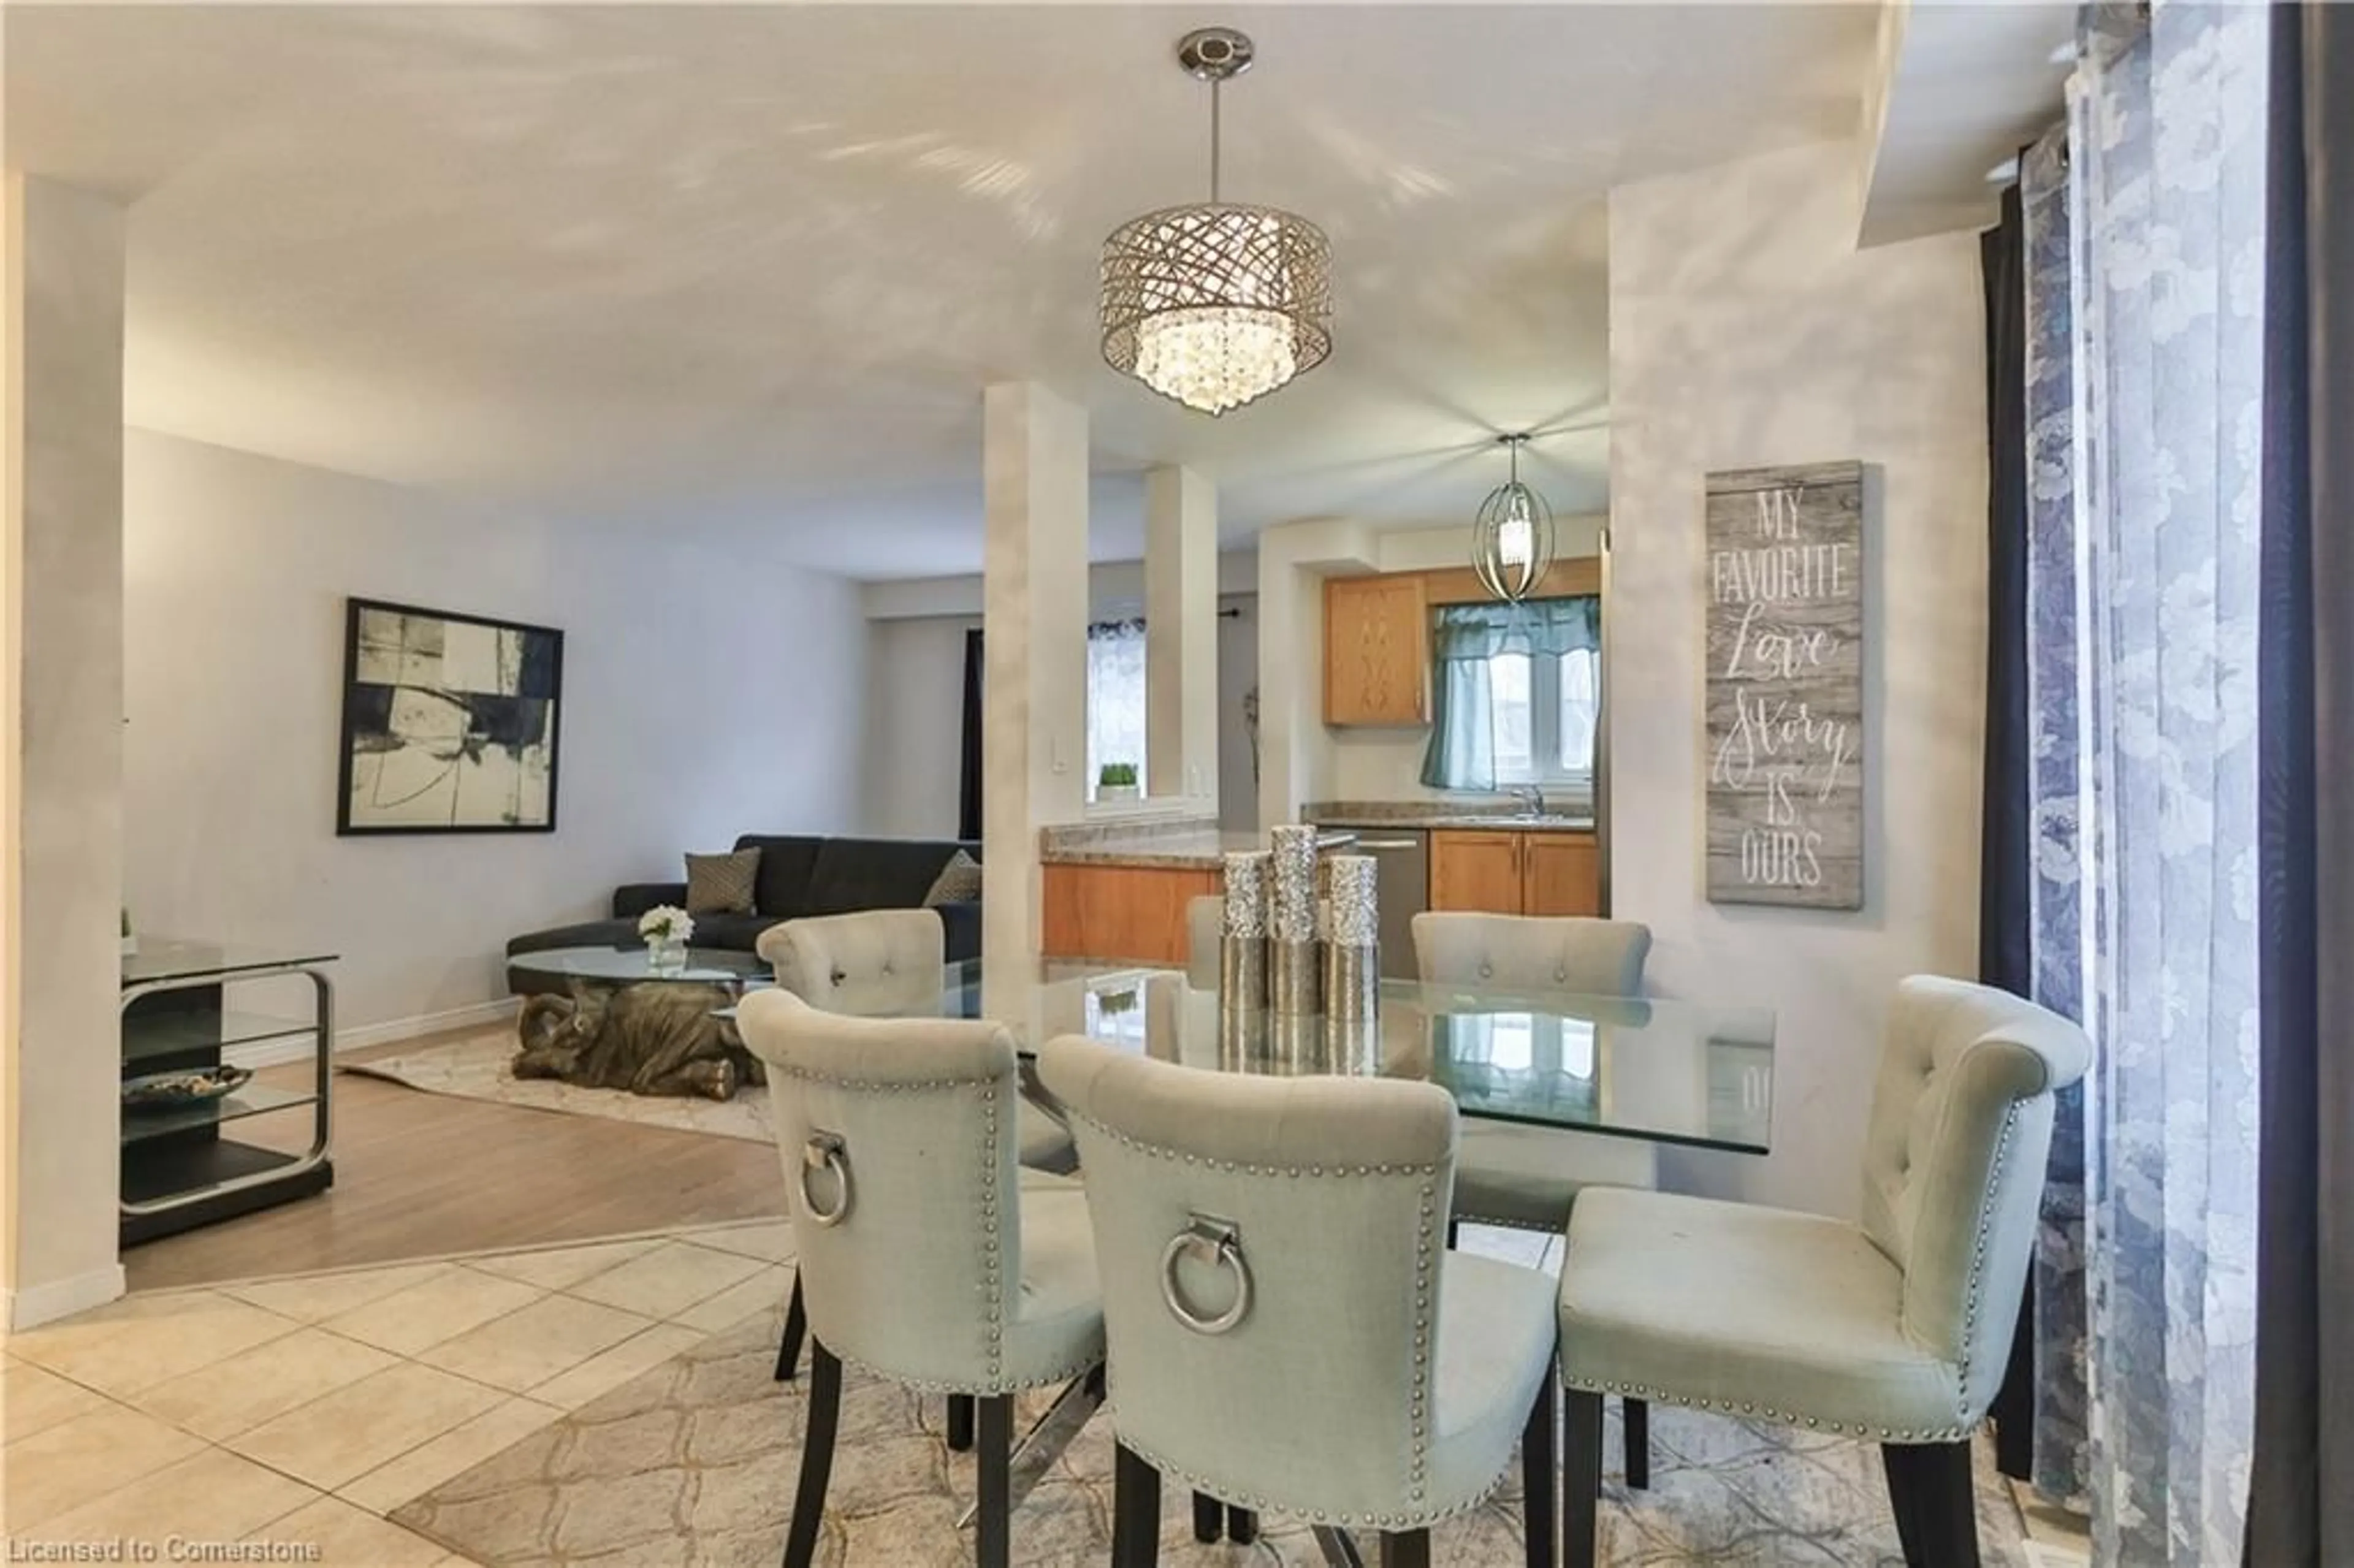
(1181, 635)
(1034, 642)
(61, 748)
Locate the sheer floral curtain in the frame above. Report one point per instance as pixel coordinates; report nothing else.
(2167, 197)
(1115, 697)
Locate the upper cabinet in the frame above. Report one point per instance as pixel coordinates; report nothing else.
(1376, 651)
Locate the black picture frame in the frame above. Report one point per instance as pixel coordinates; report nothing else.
(481, 722)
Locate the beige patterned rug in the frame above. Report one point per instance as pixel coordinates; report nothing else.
(479, 1067)
(694, 1464)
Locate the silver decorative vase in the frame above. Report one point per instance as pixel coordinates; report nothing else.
(1295, 977)
(1353, 962)
(1352, 980)
(1242, 974)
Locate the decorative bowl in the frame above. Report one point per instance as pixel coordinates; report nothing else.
(187, 1086)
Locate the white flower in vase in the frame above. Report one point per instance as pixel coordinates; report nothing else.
(666, 925)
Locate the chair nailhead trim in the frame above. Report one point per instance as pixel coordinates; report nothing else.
(1175, 1155)
(1965, 1425)
(1414, 1520)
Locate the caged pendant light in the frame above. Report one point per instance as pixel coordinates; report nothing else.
(1216, 303)
(1513, 537)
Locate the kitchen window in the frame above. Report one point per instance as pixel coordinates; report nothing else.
(1516, 694)
(1116, 697)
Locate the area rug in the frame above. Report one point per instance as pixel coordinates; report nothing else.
(694, 1464)
(481, 1067)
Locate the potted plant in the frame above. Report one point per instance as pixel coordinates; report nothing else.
(667, 930)
(1116, 781)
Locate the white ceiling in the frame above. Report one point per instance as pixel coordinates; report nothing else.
(749, 268)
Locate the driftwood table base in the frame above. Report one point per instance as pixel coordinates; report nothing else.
(651, 1038)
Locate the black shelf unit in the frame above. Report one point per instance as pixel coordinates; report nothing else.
(179, 1170)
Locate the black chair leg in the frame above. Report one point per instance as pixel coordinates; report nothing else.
(1541, 1476)
(1242, 1525)
(1454, 1234)
(1580, 1477)
(1405, 1548)
(1929, 1486)
(817, 1456)
(1135, 1511)
(789, 1349)
(1209, 1518)
(960, 1423)
(1635, 1437)
(993, 1533)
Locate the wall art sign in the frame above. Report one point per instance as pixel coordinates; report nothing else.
(449, 723)
(1786, 573)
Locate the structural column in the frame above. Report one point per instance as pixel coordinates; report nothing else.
(61, 749)
(1181, 634)
(1035, 664)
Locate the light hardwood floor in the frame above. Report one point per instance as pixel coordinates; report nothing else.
(422, 1175)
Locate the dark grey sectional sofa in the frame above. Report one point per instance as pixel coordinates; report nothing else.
(797, 876)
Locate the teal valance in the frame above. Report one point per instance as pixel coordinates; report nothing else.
(1554, 626)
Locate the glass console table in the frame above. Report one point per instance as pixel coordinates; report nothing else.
(179, 1168)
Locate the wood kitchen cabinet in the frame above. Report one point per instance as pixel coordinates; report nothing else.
(1133, 913)
(1476, 870)
(1495, 872)
(1376, 651)
(1561, 874)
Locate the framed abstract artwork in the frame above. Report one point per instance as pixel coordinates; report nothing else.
(449, 723)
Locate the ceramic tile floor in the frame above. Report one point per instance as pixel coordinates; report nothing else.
(298, 1412)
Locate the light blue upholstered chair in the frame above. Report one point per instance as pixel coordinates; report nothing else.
(926, 1256)
(1287, 1327)
(887, 963)
(1527, 1177)
(1205, 925)
(1896, 1329)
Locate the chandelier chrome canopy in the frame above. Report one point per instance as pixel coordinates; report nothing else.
(1513, 537)
(1216, 302)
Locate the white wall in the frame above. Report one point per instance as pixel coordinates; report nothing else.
(707, 693)
(915, 713)
(914, 726)
(1745, 329)
(61, 801)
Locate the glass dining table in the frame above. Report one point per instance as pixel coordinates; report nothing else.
(1681, 1072)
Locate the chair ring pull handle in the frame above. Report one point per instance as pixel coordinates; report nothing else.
(825, 1151)
(1219, 1244)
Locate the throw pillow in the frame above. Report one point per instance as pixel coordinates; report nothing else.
(721, 883)
(958, 883)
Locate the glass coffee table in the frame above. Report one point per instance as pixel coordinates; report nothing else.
(626, 1022)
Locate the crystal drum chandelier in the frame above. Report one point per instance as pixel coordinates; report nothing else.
(1216, 303)
(1512, 539)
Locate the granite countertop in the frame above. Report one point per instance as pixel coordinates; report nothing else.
(1203, 850)
(1503, 816)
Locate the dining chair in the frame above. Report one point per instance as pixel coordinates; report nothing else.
(1527, 1178)
(885, 963)
(926, 1256)
(1897, 1328)
(1287, 1329)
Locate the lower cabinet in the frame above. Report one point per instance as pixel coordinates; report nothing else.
(1135, 913)
(1496, 871)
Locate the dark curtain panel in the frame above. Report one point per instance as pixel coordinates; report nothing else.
(2005, 918)
(2301, 1492)
(968, 773)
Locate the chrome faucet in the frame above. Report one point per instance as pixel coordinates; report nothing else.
(1530, 797)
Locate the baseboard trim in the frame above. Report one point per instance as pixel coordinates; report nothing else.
(270, 1053)
(39, 1304)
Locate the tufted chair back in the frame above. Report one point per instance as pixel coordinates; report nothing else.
(920, 1273)
(1337, 1191)
(876, 964)
(1206, 927)
(1596, 957)
(1954, 1159)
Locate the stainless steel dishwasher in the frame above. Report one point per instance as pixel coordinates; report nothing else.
(1404, 884)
